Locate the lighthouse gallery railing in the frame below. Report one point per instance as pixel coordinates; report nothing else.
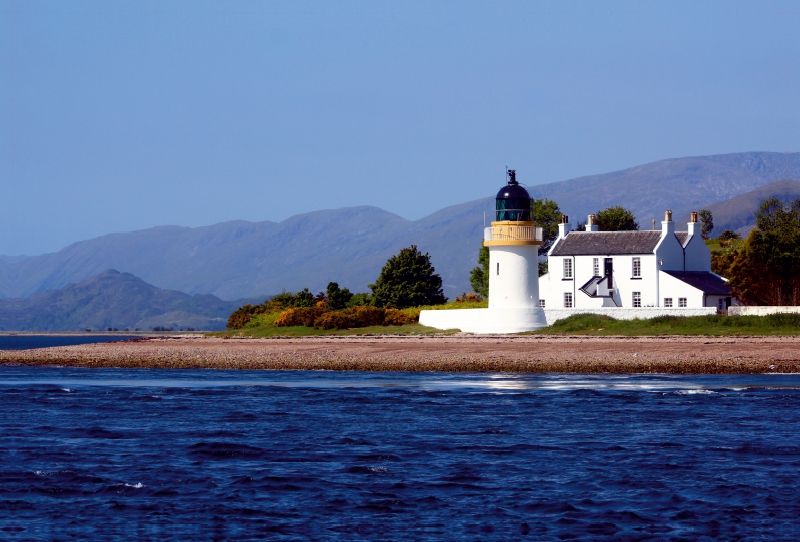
(511, 231)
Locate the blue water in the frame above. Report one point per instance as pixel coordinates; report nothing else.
(149, 454)
(27, 342)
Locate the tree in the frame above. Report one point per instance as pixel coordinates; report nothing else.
(304, 298)
(408, 280)
(766, 270)
(479, 276)
(706, 223)
(728, 235)
(360, 299)
(616, 219)
(547, 216)
(338, 298)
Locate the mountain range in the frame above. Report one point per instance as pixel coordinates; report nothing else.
(239, 259)
(115, 300)
(738, 213)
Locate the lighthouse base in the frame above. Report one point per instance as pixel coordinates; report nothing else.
(486, 320)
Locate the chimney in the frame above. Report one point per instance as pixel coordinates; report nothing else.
(692, 224)
(667, 226)
(590, 224)
(564, 227)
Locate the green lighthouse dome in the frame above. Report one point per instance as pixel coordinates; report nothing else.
(513, 202)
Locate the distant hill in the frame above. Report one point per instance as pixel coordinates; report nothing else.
(738, 213)
(679, 184)
(12, 259)
(116, 300)
(241, 259)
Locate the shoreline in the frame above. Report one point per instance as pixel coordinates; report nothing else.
(455, 353)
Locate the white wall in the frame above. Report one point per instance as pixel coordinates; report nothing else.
(519, 320)
(553, 315)
(674, 288)
(552, 285)
(626, 284)
(669, 250)
(698, 256)
(760, 311)
(516, 285)
(485, 320)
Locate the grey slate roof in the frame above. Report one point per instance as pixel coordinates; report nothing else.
(704, 281)
(682, 236)
(587, 243)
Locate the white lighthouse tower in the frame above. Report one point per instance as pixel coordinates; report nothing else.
(513, 241)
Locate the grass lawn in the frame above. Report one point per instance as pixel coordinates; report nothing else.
(303, 331)
(714, 325)
(262, 325)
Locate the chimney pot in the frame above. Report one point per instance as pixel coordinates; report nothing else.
(564, 219)
(667, 216)
(694, 216)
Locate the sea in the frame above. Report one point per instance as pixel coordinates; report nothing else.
(131, 454)
(30, 341)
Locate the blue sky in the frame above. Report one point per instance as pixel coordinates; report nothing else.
(117, 116)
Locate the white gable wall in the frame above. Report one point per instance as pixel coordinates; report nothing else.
(669, 253)
(698, 256)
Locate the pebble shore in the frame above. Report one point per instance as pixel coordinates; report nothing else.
(455, 353)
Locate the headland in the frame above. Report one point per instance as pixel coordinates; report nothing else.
(453, 353)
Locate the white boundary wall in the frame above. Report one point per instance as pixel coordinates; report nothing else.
(623, 313)
(761, 311)
(491, 320)
(519, 320)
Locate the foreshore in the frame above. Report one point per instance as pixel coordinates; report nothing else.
(456, 353)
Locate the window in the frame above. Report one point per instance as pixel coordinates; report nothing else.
(498, 269)
(541, 303)
(637, 268)
(637, 299)
(721, 304)
(567, 300)
(596, 267)
(567, 268)
(668, 302)
(681, 301)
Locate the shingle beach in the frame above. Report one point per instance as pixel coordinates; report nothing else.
(467, 353)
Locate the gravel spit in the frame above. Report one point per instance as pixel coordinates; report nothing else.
(454, 353)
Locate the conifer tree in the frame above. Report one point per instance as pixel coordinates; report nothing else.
(408, 280)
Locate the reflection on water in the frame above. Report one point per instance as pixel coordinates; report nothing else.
(160, 378)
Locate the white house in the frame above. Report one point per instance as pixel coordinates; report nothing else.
(664, 268)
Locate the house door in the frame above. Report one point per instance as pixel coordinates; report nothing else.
(608, 267)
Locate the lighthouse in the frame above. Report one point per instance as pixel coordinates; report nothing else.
(513, 241)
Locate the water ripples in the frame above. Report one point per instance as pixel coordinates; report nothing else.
(246, 455)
